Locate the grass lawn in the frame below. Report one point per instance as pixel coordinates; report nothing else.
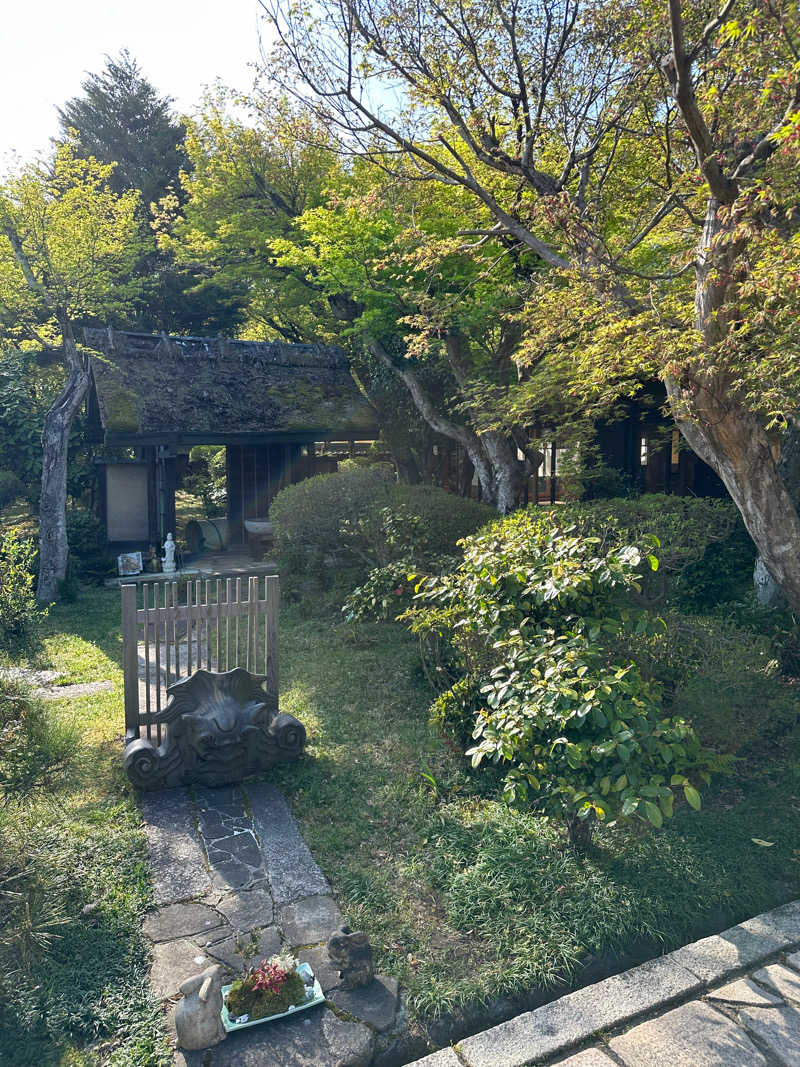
(85, 999)
(463, 898)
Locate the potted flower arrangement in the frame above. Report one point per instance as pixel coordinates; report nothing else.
(276, 987)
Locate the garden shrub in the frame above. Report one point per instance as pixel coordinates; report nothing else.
(723, 679)
(530, 615)
(88, 547)
(705, 554)
(345, 524)
(11, 488)
(19, 615)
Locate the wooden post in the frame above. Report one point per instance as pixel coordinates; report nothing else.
(272, 593)
(130, 661)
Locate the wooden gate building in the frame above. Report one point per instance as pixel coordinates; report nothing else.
(152, 397)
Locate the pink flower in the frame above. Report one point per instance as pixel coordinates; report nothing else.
(398, 591)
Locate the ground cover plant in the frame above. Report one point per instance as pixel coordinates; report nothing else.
(73, 875)
(467, 898)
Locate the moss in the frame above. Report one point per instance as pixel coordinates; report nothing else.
(243, 1000)
(120, 406)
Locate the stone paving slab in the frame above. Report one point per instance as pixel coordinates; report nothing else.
(785, 982)
(445, 1058)
(326, 972)
(590, 1057)
(741, 947)
(309, 921)
(182, 920)
(241, 950)
(173, 963)
(778, 1028)
(744, 991)
(318, 1039)
(573, 1019)
(694, 1035)
(248, 910)
(375, 1004)
(176, 856)
(293, 874)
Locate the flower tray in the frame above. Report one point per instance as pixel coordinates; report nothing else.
(316, 997)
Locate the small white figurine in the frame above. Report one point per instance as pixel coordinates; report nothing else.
(168, 560)
(198, 1018)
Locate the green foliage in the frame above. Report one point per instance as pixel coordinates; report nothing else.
(87, 540)
(386, 592)
(207, 478)
(243, 999)
(20, 422)
(444, 518)
(121, 119)
(11, 488)
(37, 748)
(722, 678)
(531, 612)
(78, 239)
(307, 519)
(20, 617)
(355, 520)
(705, 555)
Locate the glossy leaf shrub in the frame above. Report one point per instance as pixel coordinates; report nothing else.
(526, 623)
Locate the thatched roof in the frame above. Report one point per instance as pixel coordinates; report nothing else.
(210, 389)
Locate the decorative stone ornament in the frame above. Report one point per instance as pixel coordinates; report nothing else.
(352, 954)
(221, 728)
(198, 1017)
(168, 560)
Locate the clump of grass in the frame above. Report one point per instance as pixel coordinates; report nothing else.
(74, 968)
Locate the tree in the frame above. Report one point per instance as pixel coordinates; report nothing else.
(645, 154)
(430, 308)
(68, 244)
(120, 118)
(247, 183)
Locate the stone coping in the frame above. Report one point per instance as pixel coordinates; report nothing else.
(688, 974)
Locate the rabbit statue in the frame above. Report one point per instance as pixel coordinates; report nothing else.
(198, 1018)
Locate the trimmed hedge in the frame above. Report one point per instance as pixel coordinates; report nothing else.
(331, 529)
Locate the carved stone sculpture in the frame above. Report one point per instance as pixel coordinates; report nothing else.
(198, 1019)
(168, 560)
(352, 954)
(220, 729)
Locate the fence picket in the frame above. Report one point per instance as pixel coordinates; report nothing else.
(204, 609)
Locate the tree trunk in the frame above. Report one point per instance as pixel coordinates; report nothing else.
(727, 435)
(53, 547)
(491, 454)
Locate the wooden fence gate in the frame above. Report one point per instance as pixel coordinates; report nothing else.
(173, 628)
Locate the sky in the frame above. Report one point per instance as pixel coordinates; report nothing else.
(48, 46)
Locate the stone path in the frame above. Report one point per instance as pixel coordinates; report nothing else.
(234, 882)
(732, 1000)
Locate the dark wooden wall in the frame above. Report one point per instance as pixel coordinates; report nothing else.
(255, 473)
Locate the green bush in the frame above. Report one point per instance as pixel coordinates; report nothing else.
(11, 488)
(723, 679)
(307, 518)
(531, 614)
(19, 615)
(21, 415)
(88, 547)
(705, 554)
(345, 524)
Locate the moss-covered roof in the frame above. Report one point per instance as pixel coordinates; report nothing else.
(149, 387)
